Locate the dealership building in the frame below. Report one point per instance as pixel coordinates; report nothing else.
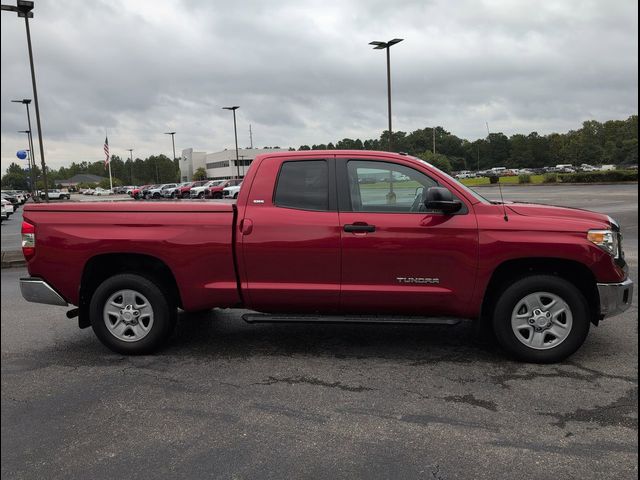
(220, 165)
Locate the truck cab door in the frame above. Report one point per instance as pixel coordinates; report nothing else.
(397, 257)
(290, 237)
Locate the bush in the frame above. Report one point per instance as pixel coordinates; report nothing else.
(494, 179)
(524, 178)
(595, 177)
(550, 178)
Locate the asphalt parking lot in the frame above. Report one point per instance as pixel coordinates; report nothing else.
(232, 400)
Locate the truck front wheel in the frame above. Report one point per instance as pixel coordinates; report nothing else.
(131, 315)
(541, 319)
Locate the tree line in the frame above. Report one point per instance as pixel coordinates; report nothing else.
(612, 142)
(595, 143)
(153, 169)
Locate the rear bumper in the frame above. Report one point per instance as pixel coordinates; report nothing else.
(36, 290)
(615, 298)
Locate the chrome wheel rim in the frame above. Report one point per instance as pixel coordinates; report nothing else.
(128, 315)
(541, 320)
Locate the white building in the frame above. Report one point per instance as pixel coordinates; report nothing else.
(220, 165)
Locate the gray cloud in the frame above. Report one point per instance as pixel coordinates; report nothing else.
(302, 72)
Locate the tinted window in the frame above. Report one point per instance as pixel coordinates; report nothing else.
(386, 187)
(303, 185)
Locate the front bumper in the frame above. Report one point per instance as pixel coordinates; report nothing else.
(615, 298)
(36, 290)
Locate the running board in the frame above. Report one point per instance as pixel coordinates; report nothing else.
(388, 319)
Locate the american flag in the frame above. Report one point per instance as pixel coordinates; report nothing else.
(106, 152)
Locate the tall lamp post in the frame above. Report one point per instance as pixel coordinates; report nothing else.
(173, 144)
(32, 162)
(32, 157)
(23, 9)
(130, 150)
(235, 132)
(387, 46)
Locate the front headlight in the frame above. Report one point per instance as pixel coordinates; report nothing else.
(605, 239)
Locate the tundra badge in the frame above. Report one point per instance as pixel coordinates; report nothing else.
(420, 280)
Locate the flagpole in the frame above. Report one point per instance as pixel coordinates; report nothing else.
(110, 181)
(108, 160)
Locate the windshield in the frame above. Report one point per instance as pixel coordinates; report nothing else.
(471, 192)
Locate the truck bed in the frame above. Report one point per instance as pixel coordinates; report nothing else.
(193, 239)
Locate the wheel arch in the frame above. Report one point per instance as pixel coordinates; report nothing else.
(100, 267)
(512, 270)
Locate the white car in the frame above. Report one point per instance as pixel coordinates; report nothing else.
(231, 192)
(161, 190)
(7, 206)
(102, 191)
(56, 194)
(4, 215)
(200, 192)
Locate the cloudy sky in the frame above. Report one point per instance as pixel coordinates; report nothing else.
(302, 71)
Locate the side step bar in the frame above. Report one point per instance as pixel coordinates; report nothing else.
(388, 319)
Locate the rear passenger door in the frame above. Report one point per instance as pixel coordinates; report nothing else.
(290, 237)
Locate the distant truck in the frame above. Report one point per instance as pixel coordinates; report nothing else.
(306, 241)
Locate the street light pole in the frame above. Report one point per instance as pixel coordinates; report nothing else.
(31, 163)
(131, 158)
(173, 143)
(235, 132)
(387, 46)
(32, 158)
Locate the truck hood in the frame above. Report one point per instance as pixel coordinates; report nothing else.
(539, 210)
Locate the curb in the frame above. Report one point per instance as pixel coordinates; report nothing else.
(13, 260)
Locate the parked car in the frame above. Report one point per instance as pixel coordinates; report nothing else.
(56, 194)
(231, 192)
(3, 213)
(160, 190)
(138, 192)
(12, 199)
(201, 191)
(102, 191)
(20, 196)
(8, 207)
(180, 191)
(144, 192)
(216, 191)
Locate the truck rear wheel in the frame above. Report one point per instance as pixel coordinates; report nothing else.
(541, 319)
(131, 315)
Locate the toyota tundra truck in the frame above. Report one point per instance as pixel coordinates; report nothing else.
(332, 236)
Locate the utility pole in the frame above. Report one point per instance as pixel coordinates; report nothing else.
(250, 137)
(434, 139)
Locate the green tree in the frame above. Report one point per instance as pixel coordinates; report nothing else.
(200, 174)
(438, 160)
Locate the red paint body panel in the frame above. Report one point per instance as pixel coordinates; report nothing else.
(192, 238)
(291, 260)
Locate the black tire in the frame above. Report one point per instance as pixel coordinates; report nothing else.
(164, 314)
(217, 195)
(235, 195)
(201, 195)
(515, 292)
(156, 195)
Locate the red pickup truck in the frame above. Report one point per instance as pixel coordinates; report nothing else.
(332, 236)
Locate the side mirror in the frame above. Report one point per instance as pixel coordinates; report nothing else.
(438, 198)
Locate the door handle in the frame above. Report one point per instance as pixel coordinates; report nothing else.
(359, 228)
